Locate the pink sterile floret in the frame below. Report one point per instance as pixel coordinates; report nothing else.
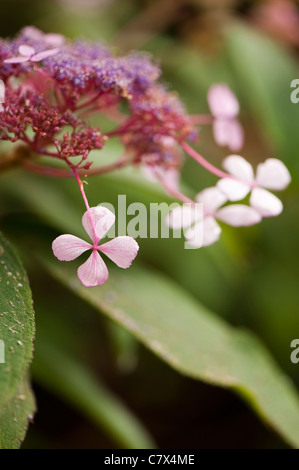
(272, 174)
(202, 227)
(96, 222)
(28, 54)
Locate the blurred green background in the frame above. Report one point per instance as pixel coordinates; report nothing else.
(250, 277)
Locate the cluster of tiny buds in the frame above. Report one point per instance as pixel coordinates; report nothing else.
(52, 88)
(80, 143)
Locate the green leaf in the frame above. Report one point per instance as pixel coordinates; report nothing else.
(68, 378)
(16, 334)
(192, 340)
(15, 416)
(62, 362)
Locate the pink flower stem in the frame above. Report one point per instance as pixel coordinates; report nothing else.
(203, 162)
(123, 129)
(61, 173)
(38, 69)
(48, 154)
(89, 102)
(46, 170)
(172, 191)
(115, 115)
(80, 184)
(201, 119)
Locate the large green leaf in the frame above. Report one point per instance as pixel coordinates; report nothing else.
(16, 333)
(15, 416)
(65, 376)
(192, 340)
(63, 366)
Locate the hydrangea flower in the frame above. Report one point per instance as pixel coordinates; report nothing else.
(28, 54)
(272, 174)
(81, 78)
(225, 108)
(47, 108)
(202, 227)
(96, 222)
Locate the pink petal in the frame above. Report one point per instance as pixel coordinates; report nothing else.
(238, 167)
(211, 231)
(167, 141)
(149, 172)
(222, 101)
(233, 189)
(273, 174)
(121, 250)
(172, 178)
(203, 233)
(103, 219)
(54, 40)
(26, 50)
(44, 55)
(239, 215)
(236, 137)
(265, 202)
(69, 247)
(221, 132)
(228, 132)
(93, 272)
(32, 33)
(184, 216)
(212, 198)
(194, 235)
(16, 60)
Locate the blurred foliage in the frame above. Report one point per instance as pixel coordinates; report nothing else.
(17, 333)
(88, 370)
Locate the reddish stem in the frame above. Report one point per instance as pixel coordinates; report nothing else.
(122, 129)
(88, 102)
(201, 119)
(172, 191)
(80, 184)
(41, 71)
(203, 162)
(61, 173)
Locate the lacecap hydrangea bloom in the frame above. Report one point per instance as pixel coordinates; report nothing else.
(53, 86)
